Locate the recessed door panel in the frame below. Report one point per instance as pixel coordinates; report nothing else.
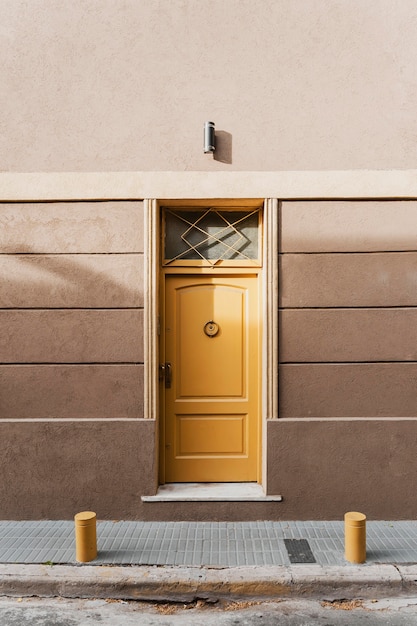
(210, 434)
(211, 333)
(210, 355)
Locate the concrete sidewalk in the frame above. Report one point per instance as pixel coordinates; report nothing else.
(183, 561)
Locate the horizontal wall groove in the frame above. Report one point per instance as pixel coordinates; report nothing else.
(76, 308)
(384, 307)
(354, 201)
(347, 252)
(344, 362)
(75, 364)
(57, 420)
(308, 363)
(75, 201)
(309, 197)
(66, 363)
(345, 419)
(45, 253)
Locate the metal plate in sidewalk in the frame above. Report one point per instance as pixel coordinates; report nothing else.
(299, 551)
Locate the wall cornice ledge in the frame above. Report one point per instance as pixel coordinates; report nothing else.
(164, 185)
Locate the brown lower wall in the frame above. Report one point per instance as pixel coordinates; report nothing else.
(325, 468)
(52, 470)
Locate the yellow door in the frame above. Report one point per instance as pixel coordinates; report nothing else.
(212, 401)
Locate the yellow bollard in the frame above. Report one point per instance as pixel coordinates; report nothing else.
(85, 536)
(355, 537)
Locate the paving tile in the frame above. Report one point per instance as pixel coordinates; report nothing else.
(206, 543)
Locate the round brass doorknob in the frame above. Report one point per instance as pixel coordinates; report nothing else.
(211, 328)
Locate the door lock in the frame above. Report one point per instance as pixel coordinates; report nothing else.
(165, 373)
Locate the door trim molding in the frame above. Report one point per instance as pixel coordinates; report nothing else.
(151, 309)
(270, 300)
(269, 361)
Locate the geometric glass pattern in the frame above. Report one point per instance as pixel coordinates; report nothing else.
(211, 235)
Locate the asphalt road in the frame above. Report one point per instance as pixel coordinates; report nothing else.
(62, 612)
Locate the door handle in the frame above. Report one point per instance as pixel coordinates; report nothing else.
(165, 373)
(168, 375)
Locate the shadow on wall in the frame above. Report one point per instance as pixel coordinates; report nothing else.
(224, 147)
(49, 281)
(72, 337)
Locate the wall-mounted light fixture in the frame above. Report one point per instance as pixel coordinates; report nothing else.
(209, 137)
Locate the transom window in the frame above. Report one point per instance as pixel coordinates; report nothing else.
(211, 236)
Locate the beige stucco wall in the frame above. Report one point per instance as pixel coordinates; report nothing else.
(126, 85)
(311, 100)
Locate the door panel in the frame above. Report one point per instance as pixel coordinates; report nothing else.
(212, 406)
(208, 434)
(210, 367)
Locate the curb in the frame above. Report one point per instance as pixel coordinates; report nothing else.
(186, 584)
